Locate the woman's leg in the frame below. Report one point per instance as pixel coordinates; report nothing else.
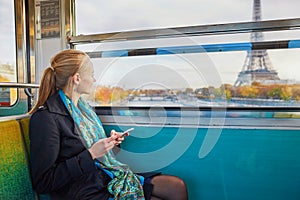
(168, 188)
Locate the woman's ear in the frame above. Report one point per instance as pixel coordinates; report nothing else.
(76, 78)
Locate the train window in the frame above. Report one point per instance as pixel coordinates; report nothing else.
(217, 70)
(114, 15)
(8, 53)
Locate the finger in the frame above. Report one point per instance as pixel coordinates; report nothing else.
(112, 138)
(120, 139)
(111, 144)
(116, 134)
(118, 142)
(108, 145)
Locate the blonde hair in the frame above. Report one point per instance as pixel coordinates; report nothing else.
(62, 66)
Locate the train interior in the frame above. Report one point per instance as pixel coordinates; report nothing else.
(245, 148)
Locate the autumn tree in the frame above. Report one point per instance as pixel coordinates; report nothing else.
(228, 91)
(286, 92)
(3, 79)
(247, 91)
(118, 94)
(296, 92)
(103, 95)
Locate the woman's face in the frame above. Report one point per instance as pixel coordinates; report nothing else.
(86, 79)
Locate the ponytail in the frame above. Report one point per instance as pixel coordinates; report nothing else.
(47, 88)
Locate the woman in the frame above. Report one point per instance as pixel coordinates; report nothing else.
(70, 154)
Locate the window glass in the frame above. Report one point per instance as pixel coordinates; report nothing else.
(118, 15)
(190, 79)
(8, 52)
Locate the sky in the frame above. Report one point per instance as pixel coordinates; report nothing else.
(115, 15)
(189, 70)
(184, 70)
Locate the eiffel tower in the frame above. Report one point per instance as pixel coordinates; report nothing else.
(257, 66)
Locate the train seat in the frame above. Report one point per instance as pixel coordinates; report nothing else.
(15, 180)
(24, 123)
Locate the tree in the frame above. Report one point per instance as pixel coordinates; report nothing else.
(274, 92)
(103, 95)
(247, 91)
(3, 79)
(296, 92)
(286, 92)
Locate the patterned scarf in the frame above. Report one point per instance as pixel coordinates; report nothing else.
(125, 184)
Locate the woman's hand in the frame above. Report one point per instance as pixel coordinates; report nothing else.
(101, 147)
(117, 135)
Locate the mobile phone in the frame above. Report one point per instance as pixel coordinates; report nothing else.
(125, 133)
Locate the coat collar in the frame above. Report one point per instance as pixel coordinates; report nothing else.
(56, 105)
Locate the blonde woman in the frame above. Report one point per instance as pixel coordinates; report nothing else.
(65, 167)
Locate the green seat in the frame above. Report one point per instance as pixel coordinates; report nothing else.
(24, 122)
(15, 180)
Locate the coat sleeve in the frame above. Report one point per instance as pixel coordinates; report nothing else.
(47, 173)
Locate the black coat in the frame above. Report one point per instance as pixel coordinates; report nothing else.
(60, 164)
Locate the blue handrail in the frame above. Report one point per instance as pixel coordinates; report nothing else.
(242, 46)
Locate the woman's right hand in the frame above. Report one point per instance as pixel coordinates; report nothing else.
(101, 147)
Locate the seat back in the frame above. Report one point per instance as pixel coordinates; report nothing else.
(24, 123)
(15, 182)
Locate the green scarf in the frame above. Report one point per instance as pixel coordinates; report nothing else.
(125, 184)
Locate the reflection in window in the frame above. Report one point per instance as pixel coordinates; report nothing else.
(190, 79)
(8, 52)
